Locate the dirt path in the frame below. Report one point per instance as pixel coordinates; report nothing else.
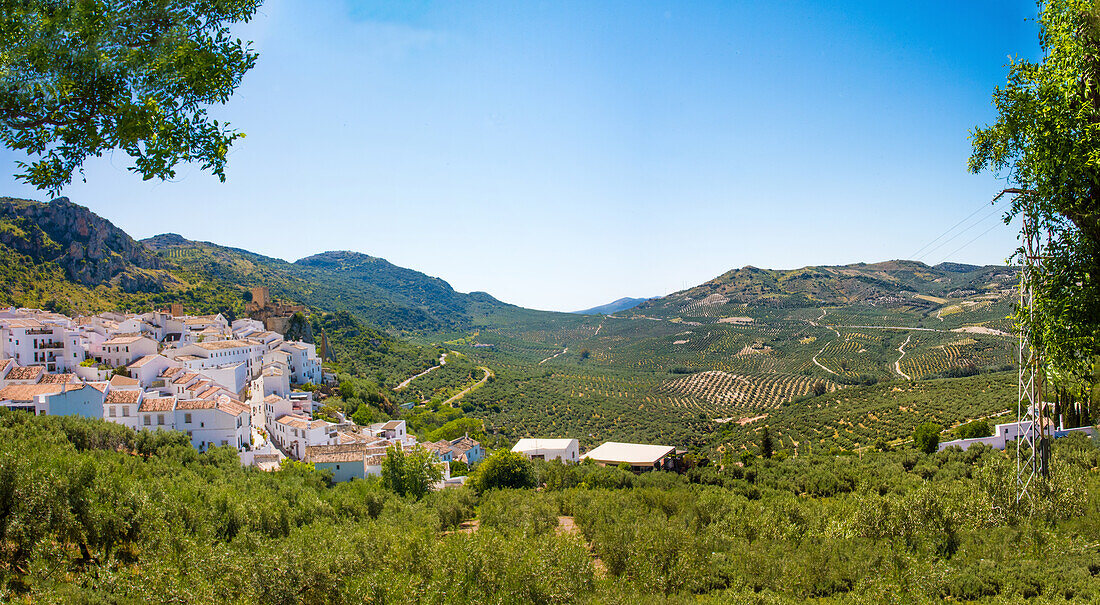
(464, 392)
(563, 352)
(818, 363)
(566, 525)
(598, 328)
(897, 364)
(442, 362)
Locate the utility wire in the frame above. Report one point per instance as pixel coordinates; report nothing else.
(994, 226)
(953, 227)
(964, 230)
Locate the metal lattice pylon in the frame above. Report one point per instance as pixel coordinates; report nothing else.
(1033, 423)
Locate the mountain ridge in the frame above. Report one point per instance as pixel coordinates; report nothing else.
(614, 306)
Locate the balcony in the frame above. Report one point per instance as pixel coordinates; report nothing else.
(51, 345)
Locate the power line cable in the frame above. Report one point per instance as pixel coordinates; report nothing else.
(994, 226)
(922, 248)
(954, 237)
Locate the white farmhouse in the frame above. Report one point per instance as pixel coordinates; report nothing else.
(566, 450)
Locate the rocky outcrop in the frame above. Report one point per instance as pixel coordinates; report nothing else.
(89, 248)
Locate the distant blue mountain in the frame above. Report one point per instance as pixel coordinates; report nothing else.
(613, 307)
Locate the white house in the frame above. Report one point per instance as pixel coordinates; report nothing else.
(202, 355)
(305, 366)
(124, 350)
(274, 407)
(566, 450)
(209, 422)
(157, 414)
(30, 342)
(1007, 433)
(147, 369)
(294, 434)
(121, 406)
(394, 430)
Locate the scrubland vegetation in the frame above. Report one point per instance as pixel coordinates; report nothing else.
(98, 513)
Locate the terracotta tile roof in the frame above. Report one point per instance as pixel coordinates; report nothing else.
(27, 392)
(188, 377)
(158, 404)
(58, 378)
(144, 360)
(345, 452)
(123, 381)
(223, 344)
(272, 398)
(210, 392)
(21, 323)
(99, 386)
(125, 340)
(26, 373)
(196, 404)
(4, 363)
(292, 421)
(463, 444)
(234, 407)
(170, 372)
(123, 396)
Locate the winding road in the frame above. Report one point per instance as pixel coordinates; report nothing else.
(463, 392)
(563, 352)
(897, 364)
(442, 362)
(815, 324)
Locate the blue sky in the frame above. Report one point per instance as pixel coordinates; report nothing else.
(560, 155)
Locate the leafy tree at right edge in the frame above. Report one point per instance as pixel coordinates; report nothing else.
(1046, 140)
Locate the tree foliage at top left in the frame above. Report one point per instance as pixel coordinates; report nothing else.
(82, 77)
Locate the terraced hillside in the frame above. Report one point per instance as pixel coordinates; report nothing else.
(686, 368)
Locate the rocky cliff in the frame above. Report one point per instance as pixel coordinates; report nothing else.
(89, 248)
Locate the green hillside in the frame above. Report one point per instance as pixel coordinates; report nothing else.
(679, 369)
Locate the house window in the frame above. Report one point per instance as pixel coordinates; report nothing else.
(160, 419)
(148, 420)
(187, 419)
(111, 411)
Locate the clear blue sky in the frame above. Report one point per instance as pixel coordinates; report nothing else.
(562, 155)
